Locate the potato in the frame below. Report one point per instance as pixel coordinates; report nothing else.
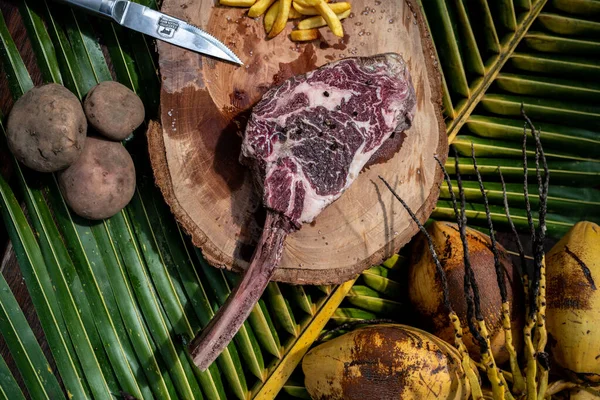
(101, 182)
(113, 110)
(46, 128)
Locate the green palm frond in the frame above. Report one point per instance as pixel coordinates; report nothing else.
(496, 56)
(9, 388)
(539, 66)
(127, 292)
(118, 299)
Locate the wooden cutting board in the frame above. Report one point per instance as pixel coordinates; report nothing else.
(204, 108)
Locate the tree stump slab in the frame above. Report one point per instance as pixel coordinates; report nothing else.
(204, 108)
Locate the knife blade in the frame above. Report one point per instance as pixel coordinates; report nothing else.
(158, 25)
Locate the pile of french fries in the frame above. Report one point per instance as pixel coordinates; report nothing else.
(315, 14)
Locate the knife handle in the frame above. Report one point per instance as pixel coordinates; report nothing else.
(102, 7)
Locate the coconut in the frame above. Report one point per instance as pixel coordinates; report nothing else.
(573, 302)
(425, 287)
(385, 362)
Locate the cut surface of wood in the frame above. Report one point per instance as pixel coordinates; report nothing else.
(204, 108)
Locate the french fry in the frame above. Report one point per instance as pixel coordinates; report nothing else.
(304, 35)
(301, 8)
(305, 4)
(270, 16)
(294, 14)
(328, 15)
(318, 21)
(237, 3)
(337, 8)
(282, 17)
(259, 8)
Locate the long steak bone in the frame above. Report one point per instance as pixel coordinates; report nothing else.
(306, 142)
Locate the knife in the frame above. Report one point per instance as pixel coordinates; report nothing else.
(158, 25)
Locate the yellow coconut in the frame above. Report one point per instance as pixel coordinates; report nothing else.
(385, 362)
(425, 287)
(584, 394)
(573, 302)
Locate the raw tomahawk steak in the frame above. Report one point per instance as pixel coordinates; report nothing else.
(306, 142)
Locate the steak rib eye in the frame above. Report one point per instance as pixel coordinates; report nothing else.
(306, 142)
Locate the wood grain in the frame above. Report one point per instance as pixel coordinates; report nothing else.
(204, 107)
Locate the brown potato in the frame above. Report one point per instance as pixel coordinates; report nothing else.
(113, 110)
(101, 182)
(46, 128)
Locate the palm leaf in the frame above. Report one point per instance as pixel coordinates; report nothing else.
(280, 309)
(82, 89)
(557, 224)
(502, 32)
(371, 300)
(558, 137)
(40, 289)
(21, 342)
(375, 279)
(41, 44)
(301, 299)
(295, 389)
(148, 287)
(552, 43)
(164, 284)
(490, 148)
(71, 298)
(64, 54)
(583, 203)
(584, 7)
(554, 64)
(9, 388)
(159, 327)
(85, 47)
(282, 370)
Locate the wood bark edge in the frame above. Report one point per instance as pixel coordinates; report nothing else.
(158, 160)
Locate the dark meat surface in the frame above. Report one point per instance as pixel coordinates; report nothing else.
(309, 138)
